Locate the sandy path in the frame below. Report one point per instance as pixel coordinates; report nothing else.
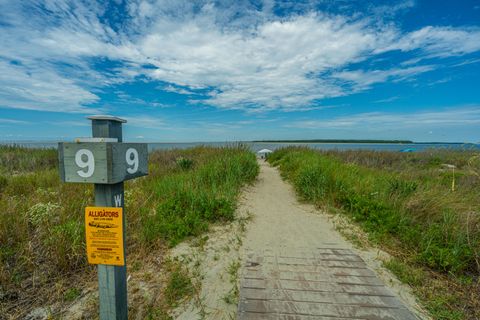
(282, 224)
(278, 222)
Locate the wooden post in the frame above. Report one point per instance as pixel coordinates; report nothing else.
(112, 280)
(105, 161)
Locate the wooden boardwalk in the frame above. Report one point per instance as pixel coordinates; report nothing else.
(322, 283)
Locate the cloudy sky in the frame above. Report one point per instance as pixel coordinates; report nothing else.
(242, 70)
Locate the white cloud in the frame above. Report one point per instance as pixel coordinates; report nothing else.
(40, 89)
(143, 121)
(386, 100)
(364, 79)
(12, 121)
(70, 123)
(170, 88)
(439, 41)
(466, 62)
(278, 65)
(246, 58)
(391, 10)
(380, 121)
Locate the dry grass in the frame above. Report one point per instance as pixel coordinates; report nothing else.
(42, 245)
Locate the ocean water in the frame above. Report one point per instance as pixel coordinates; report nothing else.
(256, 146)
(411, 147)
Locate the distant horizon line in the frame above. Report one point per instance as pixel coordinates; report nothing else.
(361, 141)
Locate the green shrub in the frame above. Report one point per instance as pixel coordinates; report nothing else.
(446, 247)
(72, 294)
(434, 161)
(188, 202)
(179, 285)
(383, 203)
(14, 159)
(40, 213)
(402, 187)
(184, 163)
(312, 183)
(405, 273)
(66, 244)
(3, 183)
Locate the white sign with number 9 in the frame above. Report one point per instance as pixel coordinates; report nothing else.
(131, 156)
(89, 163)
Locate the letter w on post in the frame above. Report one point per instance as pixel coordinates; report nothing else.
(118, 200)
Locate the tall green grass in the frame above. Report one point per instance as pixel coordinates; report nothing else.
(404, 201)
(42, 237)
(188, 201)
(15, 159)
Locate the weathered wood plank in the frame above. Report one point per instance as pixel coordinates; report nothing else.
(309, 277)
(315, 286)
(276, 316)
(321, 297)
(331, 261)
(313, 260)
(321, 263)
(303, 252)
(325, 283)
(340, 271)
(324, 309)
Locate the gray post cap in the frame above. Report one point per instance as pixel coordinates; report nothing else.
(107, 117)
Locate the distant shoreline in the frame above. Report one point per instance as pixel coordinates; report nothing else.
(326, 141)
(356, 141)
(339, 141)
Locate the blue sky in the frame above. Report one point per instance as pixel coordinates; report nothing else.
(242, 70)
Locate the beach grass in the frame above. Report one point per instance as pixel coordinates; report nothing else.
(409, 205)
(42, 235)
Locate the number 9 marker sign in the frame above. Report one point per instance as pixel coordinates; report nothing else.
(132, 160)
(89, 163)
(102, 162)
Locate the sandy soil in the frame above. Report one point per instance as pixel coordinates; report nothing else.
(213, 262)
(278, 221)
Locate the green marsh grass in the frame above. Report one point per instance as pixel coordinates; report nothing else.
(179, 284)
(42, 237)
(405, 203)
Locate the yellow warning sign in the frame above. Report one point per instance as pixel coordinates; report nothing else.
(104, 235)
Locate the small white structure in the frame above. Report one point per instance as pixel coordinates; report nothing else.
(263, 153)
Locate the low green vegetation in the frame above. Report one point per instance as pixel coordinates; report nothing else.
(179, 285)
(407, 204)
(232, 296)
(42, 236)
(189, 200)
